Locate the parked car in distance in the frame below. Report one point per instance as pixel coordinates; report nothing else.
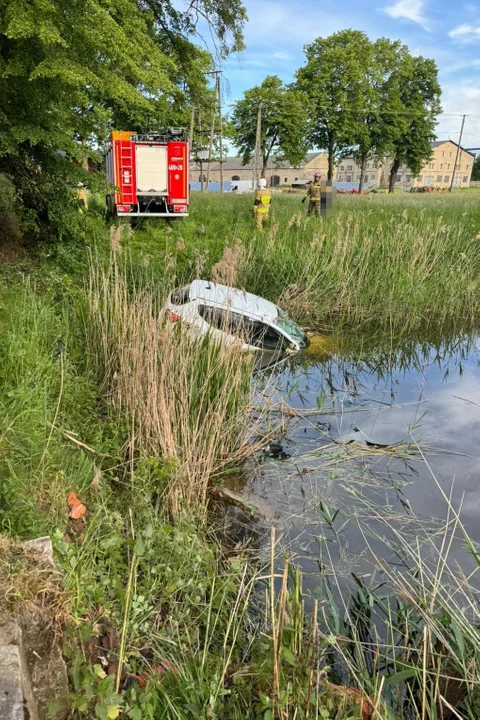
(233, 316)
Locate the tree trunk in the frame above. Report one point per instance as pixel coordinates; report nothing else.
(331, 165)
(362, 173)
(393, 175)
(264, 166)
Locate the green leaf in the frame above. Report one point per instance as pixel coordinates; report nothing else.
(400, 676)
(99, 671)
(288, 655)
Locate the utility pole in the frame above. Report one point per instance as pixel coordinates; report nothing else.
(200, 136)
(210, 144)
(220, 141)
(258, 143)
(218, 101)
(456, 156)
(192, 121)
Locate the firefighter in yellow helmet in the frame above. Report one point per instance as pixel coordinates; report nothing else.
(314, 193)
(263, 199)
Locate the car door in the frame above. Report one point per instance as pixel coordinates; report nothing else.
(223, 324)
(264, 337)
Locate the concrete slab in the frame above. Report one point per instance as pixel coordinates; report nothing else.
(11, 695)
(42, 546)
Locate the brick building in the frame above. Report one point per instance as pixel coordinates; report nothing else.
(436, 173)
(282, 173)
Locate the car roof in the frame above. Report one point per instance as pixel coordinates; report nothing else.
(236, 300)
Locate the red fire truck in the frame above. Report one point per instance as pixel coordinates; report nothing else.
(149, 172)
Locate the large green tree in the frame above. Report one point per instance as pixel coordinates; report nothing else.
(420, 99)
(380, 118)
(282, 125)
(72, 69)
(333, 82)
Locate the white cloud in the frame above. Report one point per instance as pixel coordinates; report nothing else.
(455, 67)
(466, 33)
(408, 9)
(282, 56)
(460, 98)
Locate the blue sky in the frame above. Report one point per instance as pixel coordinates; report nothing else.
(448, 32)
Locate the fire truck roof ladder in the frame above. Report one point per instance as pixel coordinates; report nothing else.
(126, 160)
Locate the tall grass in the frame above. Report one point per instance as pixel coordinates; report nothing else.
(187, 401)
(391, 261)
(411, 630)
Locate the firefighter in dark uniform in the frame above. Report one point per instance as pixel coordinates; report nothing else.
(263, 198)
(314, 194)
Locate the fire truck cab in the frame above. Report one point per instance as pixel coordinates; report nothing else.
(149, 173)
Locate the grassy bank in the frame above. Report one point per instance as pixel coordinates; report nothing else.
(99, 398)
(406, 259)
(399, 262)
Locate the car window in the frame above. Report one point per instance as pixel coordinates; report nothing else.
(253, 332)
(264, 336)
(221, 319)
(180, 296)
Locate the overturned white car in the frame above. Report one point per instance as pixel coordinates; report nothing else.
(234, 316)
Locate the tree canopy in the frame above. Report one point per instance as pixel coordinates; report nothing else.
(282, 127)
(72, 69)
(420, 103)
(380, 115)
(332, 81)
(369, 100)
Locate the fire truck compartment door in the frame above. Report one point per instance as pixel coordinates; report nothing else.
(151, 170)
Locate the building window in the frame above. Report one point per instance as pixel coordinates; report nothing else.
(439, 178)
(441, 166)
(448, 166)
(235, 177)
(286, 180)
(419, 179)
(443, 154)
(450, 154)
(446, 178)
(398, 178)
(349, 167)
(465, 179)
(349, 178)
(296, 178)
(408, 178)
(342, 167)
(359, 176)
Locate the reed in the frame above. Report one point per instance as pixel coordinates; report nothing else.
(397, 262)
(187, 401)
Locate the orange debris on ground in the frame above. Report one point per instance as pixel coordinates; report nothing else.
(358, 697)
(77, 509)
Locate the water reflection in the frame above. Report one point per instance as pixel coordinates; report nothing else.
(385, 431)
